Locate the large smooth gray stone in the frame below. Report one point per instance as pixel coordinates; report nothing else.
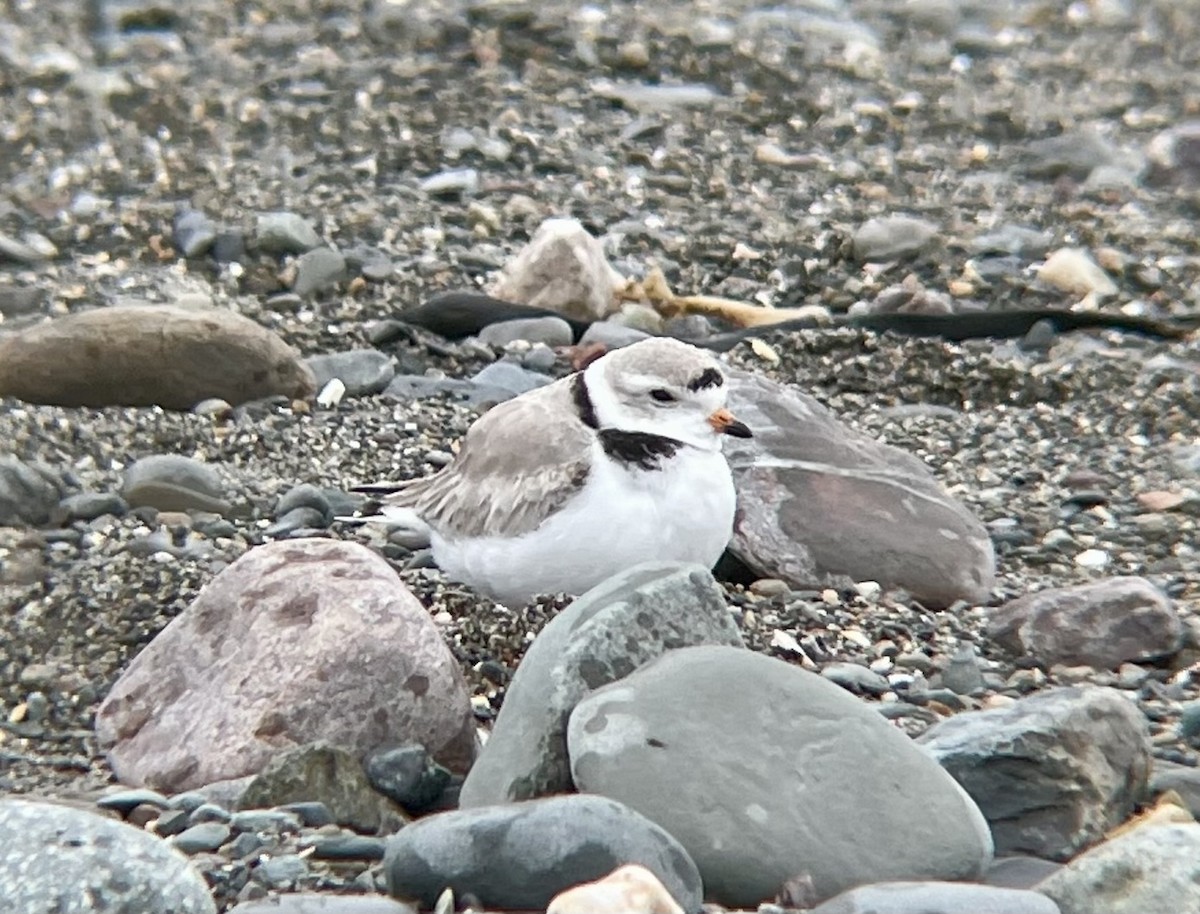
(520, 855)
(603, 635)
(173, 482)
(56, 859)
(819, 501)
(1053, 772)
(764, 772)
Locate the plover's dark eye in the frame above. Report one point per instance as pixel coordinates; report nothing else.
(662, 396)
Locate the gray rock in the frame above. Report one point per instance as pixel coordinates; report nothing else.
(348, 847)
(936, 898)
(284, 871)
(18, 300)
(407, 775)
(1012, 239)
(202, 837)
(306, 495)
(605, 634)
(520, 855)
(1184, 781)
(962, 674)
(892, 237)
(563, 268)
(61, 860)
(312, 813)
(855, 678)
(33, 249)
(318, 269)
(29, 492)
(1174, 156)
(1102, 624)
(319, 772)
(195, 233)
(172, 482)
(820, 503)
(553, 331)
(1019, 872)
(451, 182)
(510, 377)
(124, 801)
(612, 335)
(647, 97)
(150, 355)
(314, 903)
(1071, 154)
(1152, 868)
(90, 505)
(330, 646)
(285, 233)
(415, 386)
(363, 371)
(804, 778)
(274, 821)
(1053, 772)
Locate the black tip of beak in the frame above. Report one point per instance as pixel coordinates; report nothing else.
(738, 430)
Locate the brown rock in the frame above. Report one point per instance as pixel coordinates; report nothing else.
(819, 503)
(1102, 625)
(149, 356)
(297, 642)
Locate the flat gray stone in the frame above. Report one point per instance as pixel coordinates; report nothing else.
(510, 377)
(892, 237)
(821, 504)
(315, 903)
(363, 371)
(553, 331)
(1101, 624)
(1053, 772)
(520, 855)
(1154, 868)
(172, 482)
(285, 233)
(764, 772)
(602, 636)
(936, 898)
(60, 860)
(320, 268)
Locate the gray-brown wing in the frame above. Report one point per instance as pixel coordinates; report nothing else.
(519, 463)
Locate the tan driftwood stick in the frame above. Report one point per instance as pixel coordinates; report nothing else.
(655, 291)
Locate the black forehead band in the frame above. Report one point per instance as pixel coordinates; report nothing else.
(710, 377)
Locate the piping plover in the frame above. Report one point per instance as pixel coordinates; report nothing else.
(564, 486)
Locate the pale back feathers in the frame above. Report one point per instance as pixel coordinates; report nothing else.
(519, 462)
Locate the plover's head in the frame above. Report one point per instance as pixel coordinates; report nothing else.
(663, 387)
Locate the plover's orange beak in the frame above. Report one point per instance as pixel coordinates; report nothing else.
(727, 424)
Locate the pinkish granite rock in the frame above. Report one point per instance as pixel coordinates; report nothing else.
(296, 642)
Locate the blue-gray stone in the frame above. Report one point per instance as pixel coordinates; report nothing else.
(90, 505)
(363, 371)
(520, 855)
(124, 801)
(936, 898)
(407, 775)
(320, 268)
(207, 836)
(195, 233)
(172, 482)
(285, 233)
(605, 634)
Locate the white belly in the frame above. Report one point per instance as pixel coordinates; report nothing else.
(682, 512)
